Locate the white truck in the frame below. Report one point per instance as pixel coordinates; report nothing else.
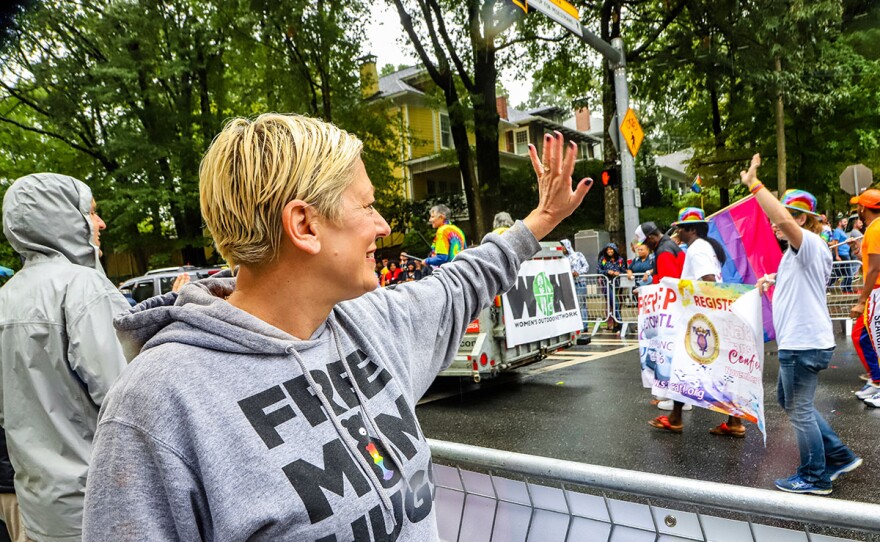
(542, 305)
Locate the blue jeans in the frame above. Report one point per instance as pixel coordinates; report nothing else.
(818, 444)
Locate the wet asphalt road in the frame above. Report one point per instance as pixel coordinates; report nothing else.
(594, 410)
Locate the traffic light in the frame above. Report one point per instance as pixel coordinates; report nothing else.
(610, 177)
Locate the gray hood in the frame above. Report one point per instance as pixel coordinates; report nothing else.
(47, 214)
(198, 316)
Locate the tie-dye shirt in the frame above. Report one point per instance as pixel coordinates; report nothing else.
(448, 242)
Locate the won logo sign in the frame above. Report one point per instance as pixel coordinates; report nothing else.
(541, 294)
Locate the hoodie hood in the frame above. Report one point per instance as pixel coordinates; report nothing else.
(611, 246)
(567, 244)
(200, 316)
(47, 214)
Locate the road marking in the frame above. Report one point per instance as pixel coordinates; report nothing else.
(572, 362)
(568, 354)
(566, 358)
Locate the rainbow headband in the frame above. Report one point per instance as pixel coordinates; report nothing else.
(800, 201)
(690, 214)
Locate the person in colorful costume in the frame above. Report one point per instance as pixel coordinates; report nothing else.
(448, 241)
(866, 332)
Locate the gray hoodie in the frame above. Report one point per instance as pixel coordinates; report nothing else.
(59, 355)
(226, 428)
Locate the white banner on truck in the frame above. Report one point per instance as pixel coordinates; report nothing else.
(542, 303)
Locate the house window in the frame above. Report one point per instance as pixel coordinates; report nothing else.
(445, 132)
(441, 187)
(522, 141)
(585, 151)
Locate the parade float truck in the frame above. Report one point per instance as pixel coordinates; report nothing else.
(536, 317)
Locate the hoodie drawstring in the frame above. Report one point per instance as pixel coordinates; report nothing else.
(343, 434)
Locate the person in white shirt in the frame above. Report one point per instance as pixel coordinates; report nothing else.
(804, 335)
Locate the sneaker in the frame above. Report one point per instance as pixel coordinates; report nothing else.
(835, 471)
(873, 401)
(869, 389)
(865, 376)
(668, 404)
(796, 484)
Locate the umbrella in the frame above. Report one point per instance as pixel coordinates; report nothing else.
(5, 271)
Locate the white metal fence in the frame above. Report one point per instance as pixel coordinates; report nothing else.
(503, 506)
(603, 299)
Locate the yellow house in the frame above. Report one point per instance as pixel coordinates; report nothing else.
(429, 166)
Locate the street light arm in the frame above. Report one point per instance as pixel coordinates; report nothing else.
(597, 43)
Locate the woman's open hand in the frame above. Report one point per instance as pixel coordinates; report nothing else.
(556, 199)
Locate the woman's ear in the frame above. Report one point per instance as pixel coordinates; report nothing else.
(300, 223)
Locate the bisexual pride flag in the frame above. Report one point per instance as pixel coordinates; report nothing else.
(752, 250)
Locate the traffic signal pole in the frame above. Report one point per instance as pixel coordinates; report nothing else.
(567, 15)
(628, 189)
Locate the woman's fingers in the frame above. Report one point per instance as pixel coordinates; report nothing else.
(536, 164)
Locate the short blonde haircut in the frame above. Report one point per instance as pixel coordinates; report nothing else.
(253, 168)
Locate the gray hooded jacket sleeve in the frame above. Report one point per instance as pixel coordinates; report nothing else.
(58, 349)
(225, 428)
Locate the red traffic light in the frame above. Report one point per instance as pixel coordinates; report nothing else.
(606, 178)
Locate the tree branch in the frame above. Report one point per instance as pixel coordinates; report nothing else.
(671, 16)
(430, 67)
(91, 152)
(444, 33)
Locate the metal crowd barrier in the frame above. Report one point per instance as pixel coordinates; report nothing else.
(590, 290)
(844, 287)
(598, 303)
(476, 507)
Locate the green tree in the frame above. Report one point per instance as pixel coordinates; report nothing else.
(137, 92)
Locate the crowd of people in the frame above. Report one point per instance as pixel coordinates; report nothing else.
(243, 405)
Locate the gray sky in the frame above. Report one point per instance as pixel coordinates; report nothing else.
(389, 43)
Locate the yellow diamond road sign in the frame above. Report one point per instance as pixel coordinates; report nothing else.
(632, 132)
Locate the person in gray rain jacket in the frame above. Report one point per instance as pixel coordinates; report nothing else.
(280, 404)
(58, 350)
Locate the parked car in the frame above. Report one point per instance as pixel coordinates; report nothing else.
(159, 281)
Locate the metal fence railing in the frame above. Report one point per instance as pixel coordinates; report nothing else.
(843, 290)
(506, 505)
(590, 290)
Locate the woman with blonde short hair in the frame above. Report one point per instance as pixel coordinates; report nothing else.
(274, 405)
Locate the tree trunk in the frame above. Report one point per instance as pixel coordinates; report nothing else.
(486, 132)
(718, 133)
(458, 127)
(780, 131)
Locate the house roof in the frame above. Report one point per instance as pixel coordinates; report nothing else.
(519, 117)
(395, 83)
(676, 161)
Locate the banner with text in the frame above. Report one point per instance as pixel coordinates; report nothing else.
(542, 303)
(702, 343)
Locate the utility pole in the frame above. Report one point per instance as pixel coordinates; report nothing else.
(567, 15)
(627, 161)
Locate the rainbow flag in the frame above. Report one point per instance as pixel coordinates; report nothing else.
(697, 185)
(752, 251)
